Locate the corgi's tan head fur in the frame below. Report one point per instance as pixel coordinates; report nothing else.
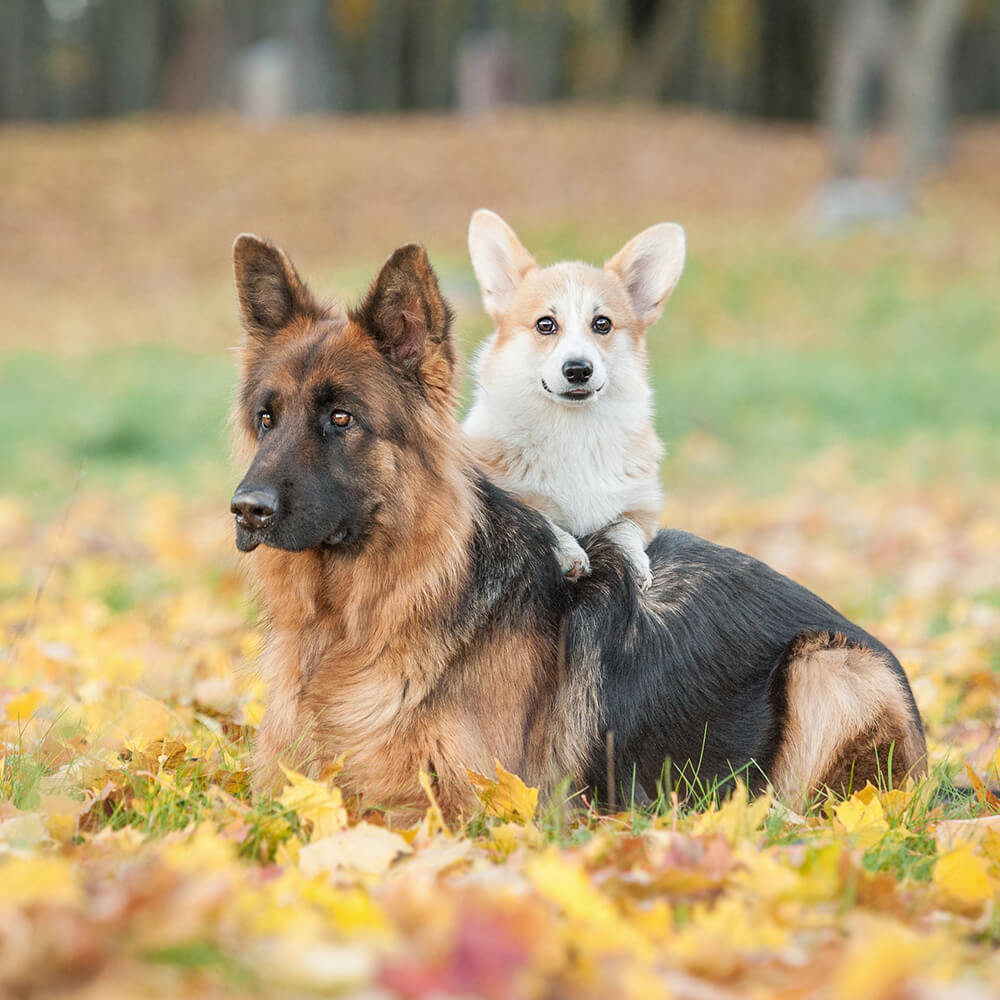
(570, 333)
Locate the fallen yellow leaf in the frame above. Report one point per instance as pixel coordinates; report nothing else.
(509, 836)
(862, 818)
(321, 804)
(508, 797)
(39, 880)
(964, 877)
(883, 957)
(718, 936)
(433, 823)
(22, 707)
(738, 818)
(567, 886)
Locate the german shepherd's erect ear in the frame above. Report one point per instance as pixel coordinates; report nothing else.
(410, 322)
(270, 291)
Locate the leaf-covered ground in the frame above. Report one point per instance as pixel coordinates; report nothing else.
(828, 408)
(134, 861)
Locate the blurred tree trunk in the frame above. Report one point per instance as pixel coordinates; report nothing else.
(128, 40)
(976, 62)
(598, 49)
(903, 47)
(305, 25)
(434, 29)
(787, 61)
(662, 55)
(376, 57)
(921, 82)
(192, 76)
(13, 55)
(540, 31)
(23, 44)
(859, 53)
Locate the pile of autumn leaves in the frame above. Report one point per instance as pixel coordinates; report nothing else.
(134, 861)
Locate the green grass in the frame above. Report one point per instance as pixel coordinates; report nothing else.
(113, 415)
(775, 355)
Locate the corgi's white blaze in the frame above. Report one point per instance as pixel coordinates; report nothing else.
(574, 309)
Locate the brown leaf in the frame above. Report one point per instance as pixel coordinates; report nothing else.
(985, 796)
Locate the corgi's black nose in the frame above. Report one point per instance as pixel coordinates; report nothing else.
(577, 371)
(254, 508)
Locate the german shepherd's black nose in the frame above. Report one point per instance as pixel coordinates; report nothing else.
(577, 371)
(254, 507)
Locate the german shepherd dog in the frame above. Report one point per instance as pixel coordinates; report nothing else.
(419, 618)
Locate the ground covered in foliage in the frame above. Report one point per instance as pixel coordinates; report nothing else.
(132, 851)
(828, 408)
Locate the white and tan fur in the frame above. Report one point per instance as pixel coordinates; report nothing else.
(586, 462)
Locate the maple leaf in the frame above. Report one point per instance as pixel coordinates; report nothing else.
(963, 877)
(718, 936)
(509, 836)
(62, 815)
(320, 804)
(885, 954)
(42, 879)
(862, 818)
(22, 707)
(507, 798)
(162, 754)
(365, 849)
(566, 885)
(738, 818)
(985, 796)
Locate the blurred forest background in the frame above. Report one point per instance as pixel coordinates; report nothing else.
(66, 59)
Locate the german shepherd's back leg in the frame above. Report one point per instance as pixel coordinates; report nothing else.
(848, 719)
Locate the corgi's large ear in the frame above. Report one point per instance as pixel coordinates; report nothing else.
(499, 260)
(270, 292)
(406, 315)
(650, 266)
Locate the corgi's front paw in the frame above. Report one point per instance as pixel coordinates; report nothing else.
(573, 560)
(639, 562)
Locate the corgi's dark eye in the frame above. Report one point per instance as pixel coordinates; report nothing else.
(601, 324)
(265, 421)
(546, 325)
(341, 418)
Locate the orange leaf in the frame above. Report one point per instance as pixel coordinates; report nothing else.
(985, 796)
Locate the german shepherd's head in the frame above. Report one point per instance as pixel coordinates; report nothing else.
(343, 411)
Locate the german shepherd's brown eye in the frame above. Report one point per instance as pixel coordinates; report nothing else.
(341, 418)
(601, 324)
(265, 421)
(546, 325)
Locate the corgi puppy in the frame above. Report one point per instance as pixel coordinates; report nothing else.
(563, 411)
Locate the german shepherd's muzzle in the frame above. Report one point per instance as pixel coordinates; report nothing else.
(297, 494)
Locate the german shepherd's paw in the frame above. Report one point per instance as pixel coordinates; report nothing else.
(573, 560)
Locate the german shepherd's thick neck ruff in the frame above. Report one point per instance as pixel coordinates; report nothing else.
(419, 620)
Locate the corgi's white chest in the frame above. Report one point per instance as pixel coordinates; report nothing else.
(583, 465)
